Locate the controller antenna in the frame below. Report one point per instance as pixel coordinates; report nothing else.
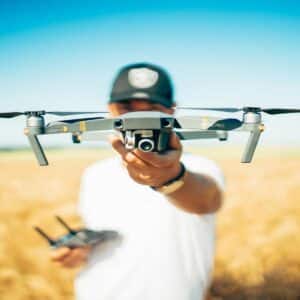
(63, 223)
(46, 236)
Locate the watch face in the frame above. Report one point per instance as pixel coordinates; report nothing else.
(142, 77)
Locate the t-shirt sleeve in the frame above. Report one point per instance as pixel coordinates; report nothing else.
(205, 166)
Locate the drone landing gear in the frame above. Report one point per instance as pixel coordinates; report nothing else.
(38, 150)
(251, 146)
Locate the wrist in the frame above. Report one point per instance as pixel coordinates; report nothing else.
(174, 183)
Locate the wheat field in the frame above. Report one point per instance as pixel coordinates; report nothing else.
(258, 229)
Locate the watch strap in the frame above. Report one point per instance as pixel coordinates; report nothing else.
(174, 184)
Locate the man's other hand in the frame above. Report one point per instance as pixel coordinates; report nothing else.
(70, 258)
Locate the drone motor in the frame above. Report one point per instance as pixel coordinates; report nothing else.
(252, 117)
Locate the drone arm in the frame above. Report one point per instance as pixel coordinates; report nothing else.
(37, 149)
(195, 122)
(61, 127)
(203, 134)
(71, 126)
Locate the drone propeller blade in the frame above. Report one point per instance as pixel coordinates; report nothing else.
(226, 124)
(276, 111)
(271, 111)
(79, 120)
(42, 112)
(69, 113)
(10, 114)
(225, 109)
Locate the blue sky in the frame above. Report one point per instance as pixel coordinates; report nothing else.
(62, 55)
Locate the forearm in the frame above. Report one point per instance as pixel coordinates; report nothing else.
(199, 194)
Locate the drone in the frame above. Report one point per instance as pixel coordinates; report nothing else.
(77, 238)
(148, 131)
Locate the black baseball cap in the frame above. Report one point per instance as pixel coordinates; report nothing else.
(143, 81)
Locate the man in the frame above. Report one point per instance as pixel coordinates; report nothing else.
(162, 206)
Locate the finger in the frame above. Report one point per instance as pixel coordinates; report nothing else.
(118, 145)
(60, 253)
(137, 175)
(126, 155)
(132, 159)
(76, 257)
(159, 160)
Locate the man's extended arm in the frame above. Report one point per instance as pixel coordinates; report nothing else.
(199, 194)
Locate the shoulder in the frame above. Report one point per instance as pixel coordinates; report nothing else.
(202, 165)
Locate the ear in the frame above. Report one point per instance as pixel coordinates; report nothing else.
(172, 109)
(113, 109)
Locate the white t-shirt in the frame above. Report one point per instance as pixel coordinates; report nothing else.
(162, 252)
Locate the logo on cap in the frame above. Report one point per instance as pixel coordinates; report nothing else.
(142, 77)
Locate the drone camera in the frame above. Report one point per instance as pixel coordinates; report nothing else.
(146, 145)
(144, 140)
(147, 140)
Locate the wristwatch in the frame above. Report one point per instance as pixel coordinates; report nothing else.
(173, 184)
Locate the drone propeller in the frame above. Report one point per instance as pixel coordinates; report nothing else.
(69, 113)
(70, 121)
(271, 111)
(276, 111)
(43, 112)
(225, 109)
(10, 114)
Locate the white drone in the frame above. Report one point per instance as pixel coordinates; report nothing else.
(148, 131)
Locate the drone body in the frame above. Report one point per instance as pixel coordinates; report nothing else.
(148, 130)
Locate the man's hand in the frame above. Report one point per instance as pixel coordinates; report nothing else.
(70, 258)
(151, 168)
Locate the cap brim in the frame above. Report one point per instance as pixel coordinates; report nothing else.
(142, 96)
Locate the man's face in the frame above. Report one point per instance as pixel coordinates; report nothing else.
(122, 107)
